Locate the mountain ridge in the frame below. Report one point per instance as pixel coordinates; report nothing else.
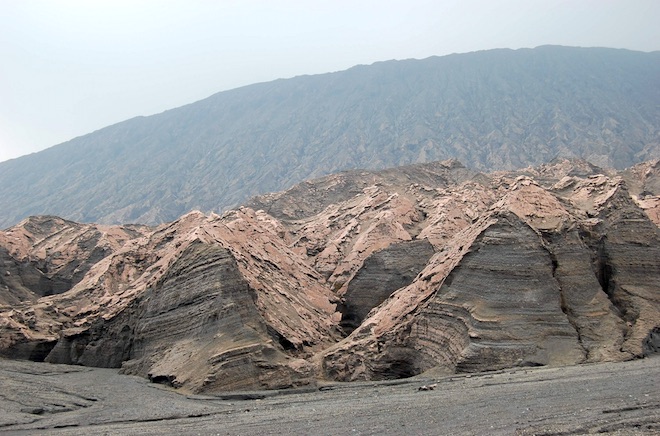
(500, 109)
(429, 267)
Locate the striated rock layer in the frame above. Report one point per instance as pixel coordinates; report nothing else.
(355, 276)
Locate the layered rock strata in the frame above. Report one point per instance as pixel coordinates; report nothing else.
(356, 276)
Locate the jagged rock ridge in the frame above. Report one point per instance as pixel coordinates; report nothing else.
(356, 276)
(492, 110)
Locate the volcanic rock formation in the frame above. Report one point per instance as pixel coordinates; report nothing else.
(355, 276)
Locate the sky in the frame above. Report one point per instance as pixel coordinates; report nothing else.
(69, 67)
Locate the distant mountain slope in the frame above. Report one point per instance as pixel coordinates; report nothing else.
(498, 109)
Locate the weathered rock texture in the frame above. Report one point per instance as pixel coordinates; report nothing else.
(356, 276)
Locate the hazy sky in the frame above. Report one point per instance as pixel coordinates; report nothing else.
(69, 67)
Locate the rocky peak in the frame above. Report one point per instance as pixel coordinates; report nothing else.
(356, 276)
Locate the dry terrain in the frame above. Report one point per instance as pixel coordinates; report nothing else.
(358, 276)
(615, 398)
(492, 110)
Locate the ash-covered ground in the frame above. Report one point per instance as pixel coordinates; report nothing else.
(615, 398)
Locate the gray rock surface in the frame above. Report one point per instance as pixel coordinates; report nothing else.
(382, 273)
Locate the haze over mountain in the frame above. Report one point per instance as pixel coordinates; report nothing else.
(497, 109)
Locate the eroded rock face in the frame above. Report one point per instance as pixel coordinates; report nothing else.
(190, 300)
(499, 306)
(355, 276)
(532, 282)
(199, 321)
(382, 273)
(48, 255)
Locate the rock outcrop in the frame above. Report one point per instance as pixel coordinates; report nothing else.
(356, 276)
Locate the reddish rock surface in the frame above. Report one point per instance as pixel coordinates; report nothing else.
(356, 276)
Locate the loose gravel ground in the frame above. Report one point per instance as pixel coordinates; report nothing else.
(615, 398)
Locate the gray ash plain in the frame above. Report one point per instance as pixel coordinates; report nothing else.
(614, 398)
